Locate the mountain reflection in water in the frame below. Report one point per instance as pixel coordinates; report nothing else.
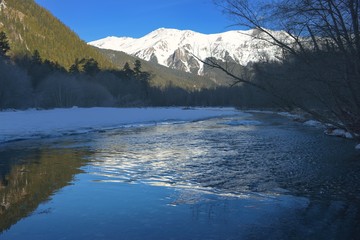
(29, 177)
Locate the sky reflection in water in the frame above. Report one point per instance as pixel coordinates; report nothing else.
(215, 179)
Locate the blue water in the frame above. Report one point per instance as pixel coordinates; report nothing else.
(259, 177)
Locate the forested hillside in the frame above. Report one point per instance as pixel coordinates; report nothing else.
(30, 27)
(162, 76)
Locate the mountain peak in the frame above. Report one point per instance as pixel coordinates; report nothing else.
(177, 48)
(165, 32)
(163, 29)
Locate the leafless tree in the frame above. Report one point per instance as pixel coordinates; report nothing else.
(59, 90)
(15, 86)
(321, 37)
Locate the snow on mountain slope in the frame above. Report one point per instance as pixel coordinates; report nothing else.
(177, 48)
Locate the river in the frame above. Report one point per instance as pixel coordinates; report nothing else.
(259, 176)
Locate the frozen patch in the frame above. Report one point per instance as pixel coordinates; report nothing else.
(338, 133)
(289, 115)
(32, 123)
(242, 123)
(313, 123)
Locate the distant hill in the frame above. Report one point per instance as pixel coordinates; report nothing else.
(30, 27)
(162, 76)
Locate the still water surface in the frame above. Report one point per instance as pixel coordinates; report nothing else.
(253, 177)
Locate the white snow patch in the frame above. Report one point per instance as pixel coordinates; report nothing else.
(289, 115)
(261, 111)
(57, 122)
(348, 135)
(339, 133)
(357, 147)
(313, 123)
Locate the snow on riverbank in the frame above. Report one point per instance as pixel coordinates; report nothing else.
(300, 117)
(46, 123)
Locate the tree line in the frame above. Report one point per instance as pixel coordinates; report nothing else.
(31, 81)
(34, 82)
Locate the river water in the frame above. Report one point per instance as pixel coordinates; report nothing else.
(259, 176)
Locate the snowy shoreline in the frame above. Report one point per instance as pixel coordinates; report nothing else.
(34, 124)
(29, 124)
(298, 117)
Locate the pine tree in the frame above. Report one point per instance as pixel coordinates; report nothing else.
(36, 58)
(128, 71)
(75, 67)
(126, 67)
(91, 66)
(4, 44)
(137, 66)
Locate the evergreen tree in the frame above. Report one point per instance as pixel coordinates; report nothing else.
(36, 58)
(126, 67)
(49, 66)
(4, 44)
(75, 67)
(143, 77)
(127, 70)
(91, 66)
(137, 66)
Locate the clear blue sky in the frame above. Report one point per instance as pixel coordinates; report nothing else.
(94, 19)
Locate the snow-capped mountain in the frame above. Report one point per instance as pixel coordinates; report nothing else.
(180, 49)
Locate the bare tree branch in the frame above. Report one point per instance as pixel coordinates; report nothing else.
(322, 34)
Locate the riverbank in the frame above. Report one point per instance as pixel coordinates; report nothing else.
(19, 125)
(305, 119)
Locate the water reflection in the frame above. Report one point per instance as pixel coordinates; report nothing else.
(271, 157)
(29, 177)
(310, 181)
(215, 179)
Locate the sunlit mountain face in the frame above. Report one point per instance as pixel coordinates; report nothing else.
(185, 50)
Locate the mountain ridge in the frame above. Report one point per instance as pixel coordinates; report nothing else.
(162, 76)
(185, 49)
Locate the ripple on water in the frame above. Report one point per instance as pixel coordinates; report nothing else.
(231, 158)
